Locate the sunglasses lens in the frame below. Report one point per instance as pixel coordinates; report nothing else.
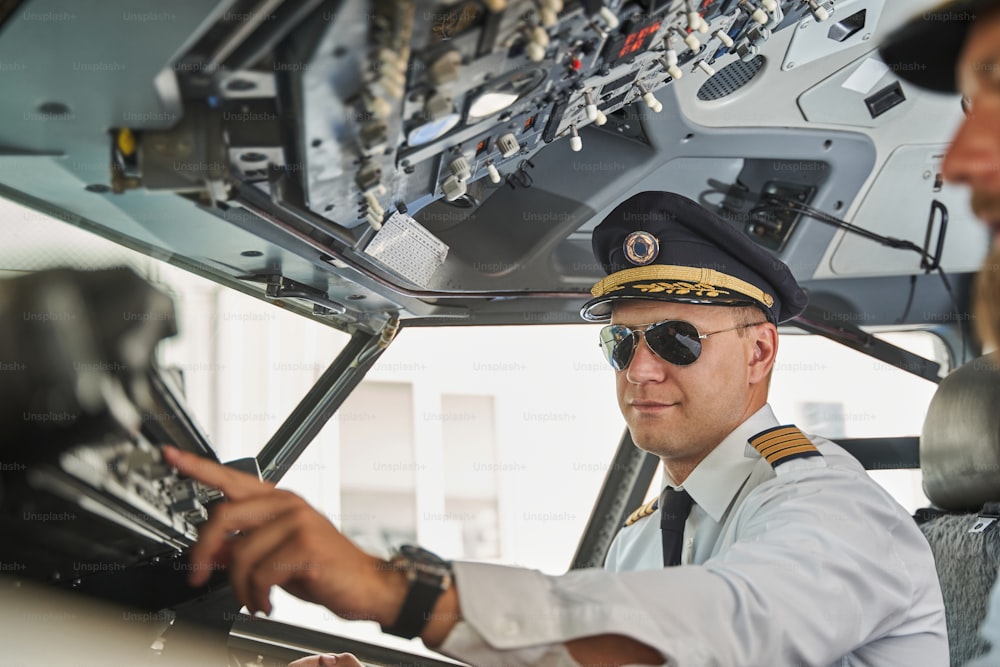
(618, 343)
(674, 342)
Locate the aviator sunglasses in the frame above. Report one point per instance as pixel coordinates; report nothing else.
(675, 341)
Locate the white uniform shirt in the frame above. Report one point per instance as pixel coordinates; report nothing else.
(806, 564)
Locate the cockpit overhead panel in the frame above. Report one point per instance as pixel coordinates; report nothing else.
(364, 108)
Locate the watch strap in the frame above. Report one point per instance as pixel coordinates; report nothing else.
(429, 576)
(416, 610)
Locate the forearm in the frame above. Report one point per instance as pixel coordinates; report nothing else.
(444, 618)
(612, 651)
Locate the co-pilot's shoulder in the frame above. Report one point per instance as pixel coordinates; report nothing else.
(642, 512)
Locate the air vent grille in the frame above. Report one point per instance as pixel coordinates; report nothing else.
(730, 78)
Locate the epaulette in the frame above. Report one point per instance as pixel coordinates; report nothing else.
(642, 512)
(783, 443)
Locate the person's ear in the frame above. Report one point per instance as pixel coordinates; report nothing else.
(764, 341)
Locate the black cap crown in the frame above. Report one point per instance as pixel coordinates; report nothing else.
(662, 246)
(925, 49)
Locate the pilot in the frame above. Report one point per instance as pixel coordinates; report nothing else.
(781, 550)
(956, 49)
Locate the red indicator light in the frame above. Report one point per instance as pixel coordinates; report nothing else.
(637, 41)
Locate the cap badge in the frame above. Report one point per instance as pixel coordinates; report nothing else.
(641, 248)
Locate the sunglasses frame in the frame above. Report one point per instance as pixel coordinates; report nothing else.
(641, 329)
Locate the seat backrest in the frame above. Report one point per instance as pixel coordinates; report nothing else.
(960, 461)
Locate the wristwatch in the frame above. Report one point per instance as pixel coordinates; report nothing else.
(429, 576)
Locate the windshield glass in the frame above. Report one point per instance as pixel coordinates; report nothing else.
(479, 443)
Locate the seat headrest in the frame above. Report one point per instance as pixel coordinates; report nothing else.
(960, 443)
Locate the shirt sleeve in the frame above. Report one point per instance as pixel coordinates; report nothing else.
(816, 569)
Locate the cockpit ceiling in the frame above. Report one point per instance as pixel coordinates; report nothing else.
(447, 160)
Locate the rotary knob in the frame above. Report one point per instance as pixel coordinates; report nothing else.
(453, 188)
(508, 145)
(460, 168)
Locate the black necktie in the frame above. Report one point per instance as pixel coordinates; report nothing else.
(674, 508)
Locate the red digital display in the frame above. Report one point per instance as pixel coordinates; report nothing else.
(639, 40)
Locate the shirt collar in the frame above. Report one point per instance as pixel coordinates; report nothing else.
(714, 482)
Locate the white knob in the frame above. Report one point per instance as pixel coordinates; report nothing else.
(724, 38)
(818, 11)
(508, 145)
(548, 17)
(760, 16)
(705, 67)
(675, 72)
(460, 168)
(694, 20)
(493, 172)
(437, 106)
(769, 5)
(609, 18)
(692, 41)
(373, 205)
(535, 52)
(374, 221)
(650, 101)
(575, 142)
(378, 107)
(392, 88)
(591, 107)
(444, 69)
(496, 6)
(658, 107)
(670, 58)
(539, 36)
(601, 118)
(702, 25)
(453, 188)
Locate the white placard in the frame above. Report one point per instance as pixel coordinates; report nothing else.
(866, 76)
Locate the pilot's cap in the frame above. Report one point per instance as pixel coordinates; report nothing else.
(661, 246)
(925, 49)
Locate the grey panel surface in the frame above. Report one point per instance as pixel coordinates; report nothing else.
(811, 39)
(900, 206)
(840, 98)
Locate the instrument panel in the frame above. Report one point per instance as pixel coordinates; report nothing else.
(355, 112)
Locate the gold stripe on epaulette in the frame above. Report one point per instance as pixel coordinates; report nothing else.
(642, 512)
(782, 443)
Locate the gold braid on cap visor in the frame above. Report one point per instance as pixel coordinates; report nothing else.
(684, 280)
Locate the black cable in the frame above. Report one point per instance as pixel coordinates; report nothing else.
(909, 300)
(771, 202)
(958, 314)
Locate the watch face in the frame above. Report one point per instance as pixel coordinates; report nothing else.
(421, 555)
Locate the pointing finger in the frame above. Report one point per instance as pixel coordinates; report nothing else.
(235, 485)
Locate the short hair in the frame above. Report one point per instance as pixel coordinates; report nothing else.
(746, 316)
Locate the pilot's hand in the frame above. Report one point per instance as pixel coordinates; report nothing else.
(328, 660)
(284, 542)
